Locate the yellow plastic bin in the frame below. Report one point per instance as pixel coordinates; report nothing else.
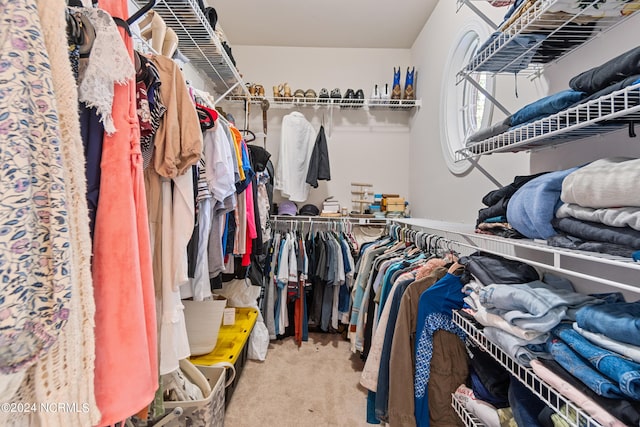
(231, 346)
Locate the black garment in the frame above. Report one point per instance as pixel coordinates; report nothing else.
(572, 34)
(610, 89)
(259, 157)
(492, 375)
(493, 197)
(319, 163)
(368, 327)
(497, 200)
(612, 71)
(571, 242)
(626, 411)
(192, 246)
(92, 132)
(489, 269)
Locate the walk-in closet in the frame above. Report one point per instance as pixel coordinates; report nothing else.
(413, 214)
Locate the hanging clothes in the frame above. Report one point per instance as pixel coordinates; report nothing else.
(296, 146)
(123, 280)
(319, 167)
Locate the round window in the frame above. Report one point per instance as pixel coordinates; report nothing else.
(464, 109)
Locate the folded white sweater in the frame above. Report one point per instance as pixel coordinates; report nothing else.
(604, 183)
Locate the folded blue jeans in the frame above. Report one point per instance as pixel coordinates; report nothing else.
(618, 321)
(622, 370)
(582, 370)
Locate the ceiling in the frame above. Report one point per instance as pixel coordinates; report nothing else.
(323, 23)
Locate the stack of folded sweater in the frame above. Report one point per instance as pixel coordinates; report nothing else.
(601, 211)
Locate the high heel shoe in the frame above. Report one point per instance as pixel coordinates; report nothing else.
(396, 92)
(408, 84)
(259, 90)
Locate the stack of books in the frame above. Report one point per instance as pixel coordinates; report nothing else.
(330, 207)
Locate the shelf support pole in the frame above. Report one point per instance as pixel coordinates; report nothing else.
(490, 97)
(480, 14)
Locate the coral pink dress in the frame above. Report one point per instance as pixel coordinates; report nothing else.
(126, 366)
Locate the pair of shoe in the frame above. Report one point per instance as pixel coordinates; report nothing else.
(396, 92)
(282, 92)
(308, 96)
(380, 94)
(255, 90)
(353, 98)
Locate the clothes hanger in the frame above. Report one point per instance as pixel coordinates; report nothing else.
(250, 133)
(144, 9)
(207, 120)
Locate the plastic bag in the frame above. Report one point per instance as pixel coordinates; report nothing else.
(258, 341)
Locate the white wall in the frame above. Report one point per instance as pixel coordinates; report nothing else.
(435, 192)
(364, 146)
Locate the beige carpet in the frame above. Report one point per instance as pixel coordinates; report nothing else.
(316, 385)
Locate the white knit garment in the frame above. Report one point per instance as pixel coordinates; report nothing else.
(65, 374)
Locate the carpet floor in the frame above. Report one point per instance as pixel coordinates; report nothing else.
(315, 385)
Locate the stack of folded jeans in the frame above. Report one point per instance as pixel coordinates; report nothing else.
(518, 317)
(606, 373)
(599, 213)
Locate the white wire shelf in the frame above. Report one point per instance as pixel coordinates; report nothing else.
(350, 104)
(199, 43)
(580, 264)
(608, 113)
(561, 33)
(326, 219)
(466, 417)
(568, 410)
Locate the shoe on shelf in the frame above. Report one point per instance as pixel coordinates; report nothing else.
(385, 95)
(408, 84)
(251, 88)
(287, 92)
(348, 98)
(310, 95)
(259, 91)
(324, 95)
(396, 91)
(335, 95)
(277, 93)
(375, 95)
(359, 98)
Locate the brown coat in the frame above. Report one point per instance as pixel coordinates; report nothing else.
(448, 367)
(178, 141)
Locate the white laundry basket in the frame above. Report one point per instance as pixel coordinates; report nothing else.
(208, 412)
